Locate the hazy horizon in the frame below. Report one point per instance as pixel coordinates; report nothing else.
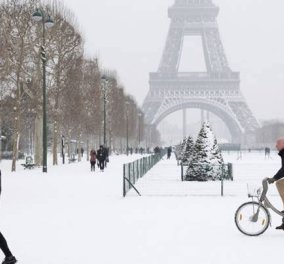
(129, 36)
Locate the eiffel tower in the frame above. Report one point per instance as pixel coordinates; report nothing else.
(217, 90)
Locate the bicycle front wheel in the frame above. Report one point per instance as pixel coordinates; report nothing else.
(252, 219)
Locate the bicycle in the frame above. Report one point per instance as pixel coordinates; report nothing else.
(253, 218)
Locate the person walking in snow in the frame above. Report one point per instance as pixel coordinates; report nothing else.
(101, 156)
(93, 159)
(267, 153)
(279, 177)
(169, 152)
(9, 258)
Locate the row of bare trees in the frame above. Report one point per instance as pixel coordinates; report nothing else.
(74, 87)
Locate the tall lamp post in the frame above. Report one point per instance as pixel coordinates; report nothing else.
(127, 147)
(139, 128)
(39, 15)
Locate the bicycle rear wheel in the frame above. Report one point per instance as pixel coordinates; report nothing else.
(249, 222)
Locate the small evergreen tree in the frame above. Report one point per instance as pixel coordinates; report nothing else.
(206, 162)
(179, 150)
(188, 149)
(182, 147)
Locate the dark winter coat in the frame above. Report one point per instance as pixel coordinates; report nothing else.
(280, 174)
(101, 154)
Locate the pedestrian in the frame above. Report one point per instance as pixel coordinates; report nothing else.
(169, 152)
(82, 151)
(9, 258)
(93, 159)
(101, 156)
(267, 153)
(279, 177)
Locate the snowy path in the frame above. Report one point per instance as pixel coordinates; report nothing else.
(165, 178)
(72, 216)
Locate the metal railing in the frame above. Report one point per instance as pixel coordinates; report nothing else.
(133, 171)
(225, 169)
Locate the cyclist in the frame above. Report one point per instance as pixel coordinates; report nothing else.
(279, 177)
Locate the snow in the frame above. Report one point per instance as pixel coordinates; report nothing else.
(71, 215)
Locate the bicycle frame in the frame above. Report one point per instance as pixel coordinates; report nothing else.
(263, 200)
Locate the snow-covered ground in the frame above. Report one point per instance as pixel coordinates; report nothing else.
(72, 215)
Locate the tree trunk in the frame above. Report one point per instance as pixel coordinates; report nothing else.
(55, 144)
(88, 150)
(15, 150)
(79, 148)
(17, 130)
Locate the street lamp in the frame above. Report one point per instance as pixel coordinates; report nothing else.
(39, 15)
(127, 147)
(104, 87)
(139, 128)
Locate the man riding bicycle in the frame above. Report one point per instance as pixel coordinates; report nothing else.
(279, 177)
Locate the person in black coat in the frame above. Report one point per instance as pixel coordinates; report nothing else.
(169, 152)
(101, 157)
(9, 258)
(279, 176)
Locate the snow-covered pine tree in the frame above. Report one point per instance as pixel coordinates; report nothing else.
(217, 161)
(206, 161)
(188, 148)
(182, 148)
(179, 150)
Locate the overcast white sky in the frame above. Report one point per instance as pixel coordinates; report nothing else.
(129, 36)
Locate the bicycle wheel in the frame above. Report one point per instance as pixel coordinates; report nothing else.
(249, 222)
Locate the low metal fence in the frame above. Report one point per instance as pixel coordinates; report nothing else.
(225, 169)
(133, 171)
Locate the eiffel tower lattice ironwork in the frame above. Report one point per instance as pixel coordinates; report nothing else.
(217, 90)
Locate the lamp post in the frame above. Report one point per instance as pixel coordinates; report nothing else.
(127, 147)
(139, 128)
(39, 15)
(104, 87)
(62, 149)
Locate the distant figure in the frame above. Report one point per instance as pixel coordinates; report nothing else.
(267, 153)
(82, 151)
(9, 258)
(157, 150)
(93, 159)
(169, 152)
(101, 156)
